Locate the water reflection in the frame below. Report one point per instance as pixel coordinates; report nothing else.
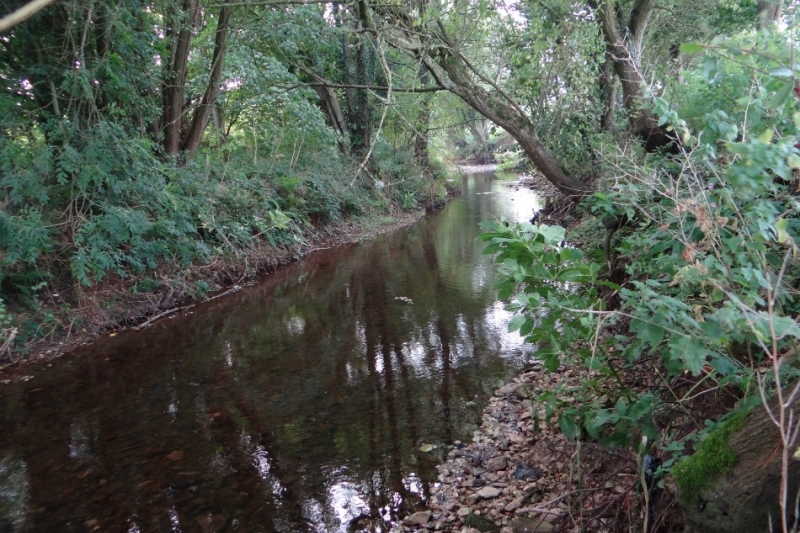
(298, 405)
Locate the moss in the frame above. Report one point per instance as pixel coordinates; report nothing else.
(480, 523)
(714, 457)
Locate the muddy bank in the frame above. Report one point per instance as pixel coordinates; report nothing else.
(115, 305)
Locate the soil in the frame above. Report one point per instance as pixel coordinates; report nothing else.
(114, 306)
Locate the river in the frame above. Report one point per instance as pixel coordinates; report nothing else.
(318, 400)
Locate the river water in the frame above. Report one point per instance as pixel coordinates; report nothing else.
(301, 404)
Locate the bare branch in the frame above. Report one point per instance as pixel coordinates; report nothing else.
(28, 10)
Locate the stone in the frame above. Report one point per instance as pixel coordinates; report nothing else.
(462, 512)
(515, 504)
(480, 523)
(516, 438)
(528, 525)
(417, 519)
(497, 463)
(511, 388)
(526, 473)
(212, 523)
(489, 493)
(532, 489)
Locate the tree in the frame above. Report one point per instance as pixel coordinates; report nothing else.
(182, 134)
(209, 100)
(624, 37)
(430, 43)
(24, 12)
(768, 12)
(741, 469)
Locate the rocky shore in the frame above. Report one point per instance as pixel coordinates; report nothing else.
(520, 476)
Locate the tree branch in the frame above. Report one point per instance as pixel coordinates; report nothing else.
(640, 15)
(28, 10)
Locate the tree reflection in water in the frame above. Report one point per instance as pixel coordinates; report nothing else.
(297, 405)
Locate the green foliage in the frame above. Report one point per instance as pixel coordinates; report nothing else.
(714, 458)
(549, 306)
(710, 260)
(555, 300)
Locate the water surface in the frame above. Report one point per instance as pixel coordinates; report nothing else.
(296, 405)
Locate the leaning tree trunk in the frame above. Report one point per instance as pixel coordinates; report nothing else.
(624, 41)
(209, 100)
(748, 498)
(422, 126)
(329, 104)
(452, 71)
(509, 117)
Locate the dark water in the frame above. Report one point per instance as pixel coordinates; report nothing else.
(300, 404)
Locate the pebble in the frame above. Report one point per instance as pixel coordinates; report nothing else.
(508, 474)
(505, 471)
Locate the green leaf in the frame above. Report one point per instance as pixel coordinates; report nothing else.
(576, 274)
(780, 228)
(782, 72)
(552, 234)
(610, 285)
(692, 48)
(516, 323)
(780, 97)
(568, 427)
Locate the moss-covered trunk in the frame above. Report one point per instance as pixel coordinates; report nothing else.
(747, 498)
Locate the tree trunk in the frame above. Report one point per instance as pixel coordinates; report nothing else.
(769, 11)
(361, 113)
(329, 103)
(625, 50)
(507, 116)
(608, 90)
(422, 125)
(209, 100)
(175, 83)
(477, 127)
(452, 72)
(748, 498)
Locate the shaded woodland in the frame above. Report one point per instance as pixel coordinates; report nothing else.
(142, 139)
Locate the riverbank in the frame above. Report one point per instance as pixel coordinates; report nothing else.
(520, 474)
(115, 306)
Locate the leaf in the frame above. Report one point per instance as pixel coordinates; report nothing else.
(426, 448)
(610, 285)
(574, 274)
(780, 228)
(766, 137)
(516, 323)
(782, 72)
(781, 96)
(568, 427)
(552, 234)
(692, 48)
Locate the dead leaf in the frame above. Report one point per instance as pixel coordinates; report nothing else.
(177, 455)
